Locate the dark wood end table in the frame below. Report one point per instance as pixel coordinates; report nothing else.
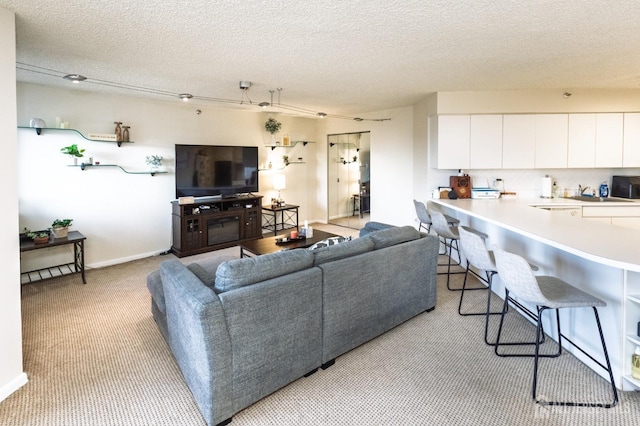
(77, 266)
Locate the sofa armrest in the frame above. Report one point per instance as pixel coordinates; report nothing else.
(199, 340)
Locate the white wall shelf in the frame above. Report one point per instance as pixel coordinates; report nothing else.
(291, 145)
(39, 132)
(84, 166)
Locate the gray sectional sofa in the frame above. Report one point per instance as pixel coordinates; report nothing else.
(240, 329)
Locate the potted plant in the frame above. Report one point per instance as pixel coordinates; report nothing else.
(272, 126)
(154, 161)
(73, 151)
(60, 227)
(38, 237)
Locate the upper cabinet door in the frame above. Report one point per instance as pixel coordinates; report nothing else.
(631, 144)
(486, 142)
(453, 141)
(582, 140)
(551, 141)
(609, 127)
(518, 141)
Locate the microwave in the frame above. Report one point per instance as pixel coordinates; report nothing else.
(625, 186)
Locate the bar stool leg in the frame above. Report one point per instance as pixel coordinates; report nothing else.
(608, 368)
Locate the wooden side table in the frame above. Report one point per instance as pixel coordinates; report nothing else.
(77, 266)
(279, 218)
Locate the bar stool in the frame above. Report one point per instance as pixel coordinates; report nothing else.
(548, 293)
(425, 219)
(477, 255)
(449, 236)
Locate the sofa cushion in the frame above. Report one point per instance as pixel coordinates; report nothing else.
(208, 278)
(392, 236)
(340, 251)
(329, 242)
(249, 270)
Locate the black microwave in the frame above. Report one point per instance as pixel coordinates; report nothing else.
(625, 186)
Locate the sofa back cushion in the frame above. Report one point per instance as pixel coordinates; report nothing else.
(250, 270)
(392, 236)
(342, 250)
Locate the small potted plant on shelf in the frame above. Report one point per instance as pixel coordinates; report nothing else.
(60, 227)
(154, 161)
(272, 126)
(73, 151)
(38, 237)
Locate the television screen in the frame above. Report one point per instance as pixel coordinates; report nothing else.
(210, 170)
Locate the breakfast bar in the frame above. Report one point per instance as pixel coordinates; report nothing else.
(599, 258)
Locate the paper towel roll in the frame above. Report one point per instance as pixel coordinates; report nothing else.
(546, 187)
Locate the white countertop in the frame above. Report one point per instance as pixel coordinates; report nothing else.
(598, 242)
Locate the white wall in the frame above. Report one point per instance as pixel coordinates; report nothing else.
(128, 216)
(11, 375)
(392, 161)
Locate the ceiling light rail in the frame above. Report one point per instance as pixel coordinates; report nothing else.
(244, 86)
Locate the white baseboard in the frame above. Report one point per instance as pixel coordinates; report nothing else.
(112, 262)
(13, 386)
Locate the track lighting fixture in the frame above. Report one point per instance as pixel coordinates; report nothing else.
(75, 78)
(244, 87)
(566, 95)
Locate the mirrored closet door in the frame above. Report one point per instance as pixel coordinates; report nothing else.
(349, 174)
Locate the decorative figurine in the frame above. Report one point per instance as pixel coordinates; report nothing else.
(118, 130)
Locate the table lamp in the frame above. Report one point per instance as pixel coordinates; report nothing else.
(279, 183)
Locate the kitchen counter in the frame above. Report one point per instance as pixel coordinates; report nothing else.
(599, 258)
(599, 242)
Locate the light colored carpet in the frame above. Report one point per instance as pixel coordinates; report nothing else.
(94, 356)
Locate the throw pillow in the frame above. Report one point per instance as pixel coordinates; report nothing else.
(329, 242)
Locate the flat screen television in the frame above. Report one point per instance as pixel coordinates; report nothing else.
(212, 170)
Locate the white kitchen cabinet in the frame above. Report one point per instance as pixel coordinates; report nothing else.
(453, 141)
(485, 141)
(551, 141)
(627, 216)
(582, 140)
(631, 140)
(518, 141)
(609, 139)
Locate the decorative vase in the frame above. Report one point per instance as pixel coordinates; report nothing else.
(125, 133)
(118, 130)
(273, 139)
(60, 232)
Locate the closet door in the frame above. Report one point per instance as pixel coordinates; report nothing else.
(349, 179)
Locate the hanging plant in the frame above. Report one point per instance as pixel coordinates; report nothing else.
(272, 125)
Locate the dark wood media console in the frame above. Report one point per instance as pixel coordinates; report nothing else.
(212, 224)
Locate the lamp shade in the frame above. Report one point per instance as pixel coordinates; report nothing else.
(279, 182)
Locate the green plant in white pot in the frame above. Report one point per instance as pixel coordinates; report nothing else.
(73, 152)
(60, 228)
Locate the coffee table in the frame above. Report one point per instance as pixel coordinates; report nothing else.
(268, 244)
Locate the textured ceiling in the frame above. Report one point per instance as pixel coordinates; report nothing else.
(340, 57)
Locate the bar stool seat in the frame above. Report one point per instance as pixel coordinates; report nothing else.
(548, 292)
